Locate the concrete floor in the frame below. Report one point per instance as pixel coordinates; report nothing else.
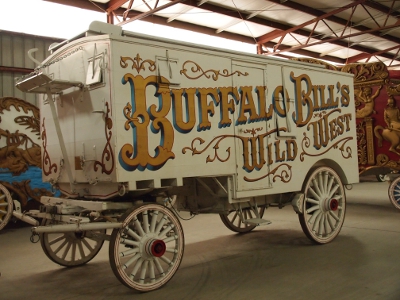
(272, 262)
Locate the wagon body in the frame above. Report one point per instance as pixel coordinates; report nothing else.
(133, 126)
(153, 113)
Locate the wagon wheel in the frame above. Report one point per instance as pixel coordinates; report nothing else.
(394, 192)
(6, 206)
(71, 249)
(147, 251)
(233, 222)
(324, 206)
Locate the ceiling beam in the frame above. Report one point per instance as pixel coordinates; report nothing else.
(338, 20)
(84, 4)
(319, 18)
(150, 12)
(238, 15)
(382, 8)
(329, 40)
(115, 4)
(283, 27)
(361, 56)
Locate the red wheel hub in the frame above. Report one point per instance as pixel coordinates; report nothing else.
(156, 248)
(333, 204)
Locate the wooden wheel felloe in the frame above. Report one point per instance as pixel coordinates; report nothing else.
(6, 206)
(324, 206)
(147, 251)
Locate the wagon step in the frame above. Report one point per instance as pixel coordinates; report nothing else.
(257, 221)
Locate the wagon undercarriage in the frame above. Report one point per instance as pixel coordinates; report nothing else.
(146, 240)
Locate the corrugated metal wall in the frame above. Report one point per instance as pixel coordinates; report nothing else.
(14, 60)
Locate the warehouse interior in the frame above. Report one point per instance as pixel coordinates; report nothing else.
(276, 261)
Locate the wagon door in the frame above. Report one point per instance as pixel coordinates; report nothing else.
(251, 128)
(94, 160)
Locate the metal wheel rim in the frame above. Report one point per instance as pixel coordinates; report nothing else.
(232, 220)
(394, 193)
(71, 249)
(131, 257)
(324, 206)
(6, 206)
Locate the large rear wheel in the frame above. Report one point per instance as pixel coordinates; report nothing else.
(324, 205)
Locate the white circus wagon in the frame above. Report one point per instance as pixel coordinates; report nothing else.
(136, 129)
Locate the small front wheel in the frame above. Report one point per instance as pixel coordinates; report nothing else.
(394, 193)
(6, 206)
(324, 206)
(71, 249)
(147, 251)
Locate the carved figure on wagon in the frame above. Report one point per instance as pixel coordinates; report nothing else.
(392, 132)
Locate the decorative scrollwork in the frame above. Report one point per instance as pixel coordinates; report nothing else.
(137, 63)
(20, 150)
(393, 90)
(23, 191)
(108, 154)
(217, 140)
(285, 174)
(382, 160)
(18, 104)
(19, 153)
(345, 151)
(48, 167)
(320, 114)
(371, 73)
(362, 143)
(30, 123)
(315, 61)
(253, 131)
(215, 73)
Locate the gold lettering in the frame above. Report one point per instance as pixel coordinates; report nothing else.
(247, 105)
(187, 96)
(206, 109)
(333, 129)
(228, 95)
(262, 104)
(137, 155)
(304, 104)
(291, 147)
(279, 156)
(253, 152)
(345, 99)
